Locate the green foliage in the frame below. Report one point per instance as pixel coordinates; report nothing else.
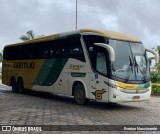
(155, 89)
(155, 77)
(158, 48)
(29, 36)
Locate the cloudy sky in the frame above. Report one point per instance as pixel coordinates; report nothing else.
(140, 18)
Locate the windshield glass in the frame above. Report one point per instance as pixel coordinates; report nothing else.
(130, 65)
(121, 67)
(130, 61)
(140, 61)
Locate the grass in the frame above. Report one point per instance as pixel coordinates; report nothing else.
(156, 89)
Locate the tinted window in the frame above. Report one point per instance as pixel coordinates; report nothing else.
(99, 56)
(64, 48)
(15, 52)
(89, 41)
(101, 65)
(75, 48)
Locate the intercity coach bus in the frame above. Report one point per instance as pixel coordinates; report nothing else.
(88, 64)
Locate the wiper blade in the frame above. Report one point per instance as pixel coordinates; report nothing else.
(136, 64)
(131, 65)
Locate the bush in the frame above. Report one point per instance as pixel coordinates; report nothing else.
(155, 89)
(155, 77)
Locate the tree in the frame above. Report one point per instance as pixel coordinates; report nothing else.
(158, 48)
(155, 75)
(29, 36)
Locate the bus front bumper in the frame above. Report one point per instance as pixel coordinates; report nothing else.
(119, 96)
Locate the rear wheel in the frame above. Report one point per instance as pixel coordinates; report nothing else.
(20, 86)
(79, 94)
(14, 85)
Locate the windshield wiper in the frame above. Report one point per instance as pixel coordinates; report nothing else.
(138, 67)
(131, 65)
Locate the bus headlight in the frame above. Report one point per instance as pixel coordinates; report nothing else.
(120, 89)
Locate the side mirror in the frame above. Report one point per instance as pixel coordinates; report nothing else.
(154, 53)
(109, 49)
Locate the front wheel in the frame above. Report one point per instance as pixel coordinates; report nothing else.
(79, 94)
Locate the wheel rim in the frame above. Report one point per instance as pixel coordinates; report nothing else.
(79, 95)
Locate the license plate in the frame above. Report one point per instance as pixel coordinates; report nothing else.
(135, 97)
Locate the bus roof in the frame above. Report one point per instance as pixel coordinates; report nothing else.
(105, 33)
(113, 35)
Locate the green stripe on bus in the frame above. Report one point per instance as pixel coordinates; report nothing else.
(145, 85)
(50, 71)
(75, 74)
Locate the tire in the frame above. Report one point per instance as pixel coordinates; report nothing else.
(20, 86)
(14, 85)
(79, 94)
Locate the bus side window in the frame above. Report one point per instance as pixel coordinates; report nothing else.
(51, 52)
(8, 53)
(89, 42)
(75, 49)
(58, 49)
(101, 65)
(19, 52)
(44, 52)
(13, 53)
(98, 56)
(28, 51)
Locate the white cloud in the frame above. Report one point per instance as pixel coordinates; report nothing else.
(110, 22)
(139, 18)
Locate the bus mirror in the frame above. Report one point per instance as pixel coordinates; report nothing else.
(109, 49)
(154, 53)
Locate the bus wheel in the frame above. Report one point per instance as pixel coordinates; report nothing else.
(20, 86)
(14, 85)
(79, 94)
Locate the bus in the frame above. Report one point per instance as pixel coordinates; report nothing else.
(87, 64)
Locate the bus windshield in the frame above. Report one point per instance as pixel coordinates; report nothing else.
(130, 61)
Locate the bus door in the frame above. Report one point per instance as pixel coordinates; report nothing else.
(99, 80)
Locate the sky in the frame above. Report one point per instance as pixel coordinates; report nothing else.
(139, 18)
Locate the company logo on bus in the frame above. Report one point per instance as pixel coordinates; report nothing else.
(23, 65)
(98, 94)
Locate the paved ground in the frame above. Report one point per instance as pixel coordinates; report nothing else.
(44, 109)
